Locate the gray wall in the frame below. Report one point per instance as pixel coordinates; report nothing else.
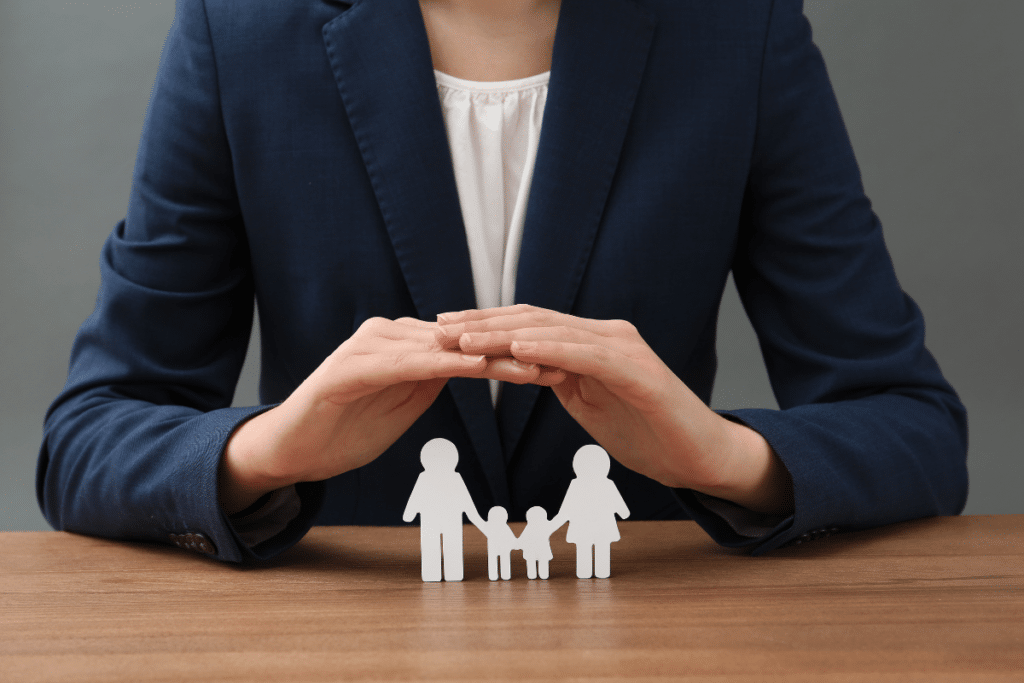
(932, 92)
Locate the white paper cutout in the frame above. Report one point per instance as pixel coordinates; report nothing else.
(501, 541)
(590, 506)
(440, 498)
(535, 542)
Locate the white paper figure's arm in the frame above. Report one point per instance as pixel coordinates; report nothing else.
(475, 518)
(414, 506)
(515, 542)
(620, 504)
(565, 512)
(469, 507)
(512, 540)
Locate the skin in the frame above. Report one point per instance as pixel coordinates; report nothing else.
(353, 407)
(377, 383)
(633, 405)
(491, 40)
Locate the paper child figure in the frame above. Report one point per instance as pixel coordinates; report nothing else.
(536, 542)
(440, 497)
(501, 541)
(590, 506)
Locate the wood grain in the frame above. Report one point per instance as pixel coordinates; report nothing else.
(932, 600)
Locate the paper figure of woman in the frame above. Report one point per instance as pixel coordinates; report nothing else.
(590, 506)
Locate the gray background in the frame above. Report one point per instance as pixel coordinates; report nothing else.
(932, 92)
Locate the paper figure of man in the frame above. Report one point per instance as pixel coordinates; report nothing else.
(501, 541)
(590, 506)
(440, 498)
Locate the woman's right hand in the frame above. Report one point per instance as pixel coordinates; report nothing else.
(351, 408)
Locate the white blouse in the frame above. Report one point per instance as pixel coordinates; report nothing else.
(493, 130)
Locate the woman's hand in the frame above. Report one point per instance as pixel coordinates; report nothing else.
(351, 408)
(633, 405)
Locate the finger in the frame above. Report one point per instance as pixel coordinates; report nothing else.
(511, 370)
(487, 343)
(498, 342)
(416, 322)
(549, 377)
(483, 313)
(601, 362)
(362, 374)
(446, 337)
(374, 330)
(394, 329)
(536, 317)
(508, 369)
(377, 345)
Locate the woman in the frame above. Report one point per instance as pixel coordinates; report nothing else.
(310, 156)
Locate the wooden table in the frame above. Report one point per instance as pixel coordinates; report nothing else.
(931, 600)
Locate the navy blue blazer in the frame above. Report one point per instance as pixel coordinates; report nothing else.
(294, 153)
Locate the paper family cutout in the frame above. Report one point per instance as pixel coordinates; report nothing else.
(440, 498)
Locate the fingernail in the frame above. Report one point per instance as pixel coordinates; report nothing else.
(452, 330)
(472, 359)
(523, 346)
(523, 364)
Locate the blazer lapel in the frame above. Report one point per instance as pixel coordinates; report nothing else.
(380, 57)
(600, 51)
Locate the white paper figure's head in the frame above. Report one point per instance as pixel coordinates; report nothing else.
(536, 514)
(497, 514)
(439, 455)
(591, 462)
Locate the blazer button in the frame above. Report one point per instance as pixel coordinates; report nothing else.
(205, 545)
(813, 535)
(193, 541)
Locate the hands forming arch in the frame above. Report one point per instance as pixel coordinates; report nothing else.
(379, 381)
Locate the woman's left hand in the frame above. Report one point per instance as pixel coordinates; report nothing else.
(633, 405)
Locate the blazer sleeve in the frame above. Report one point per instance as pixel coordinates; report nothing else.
(132, 444)
(867, 427)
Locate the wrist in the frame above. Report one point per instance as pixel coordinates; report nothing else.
(241, 479)
(753, 475)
